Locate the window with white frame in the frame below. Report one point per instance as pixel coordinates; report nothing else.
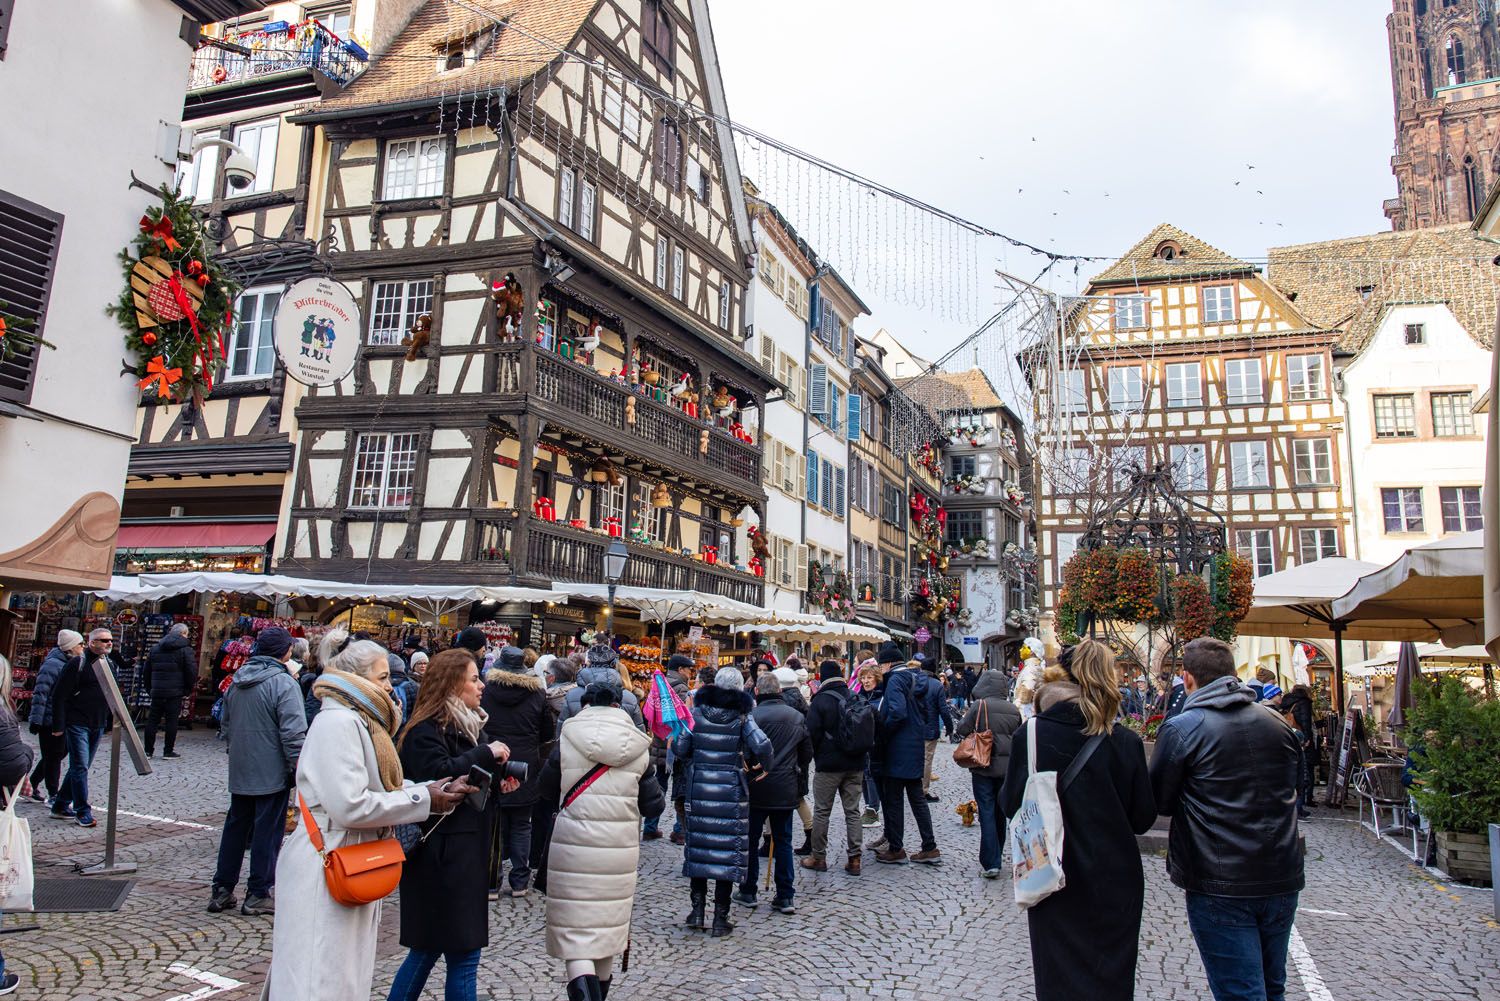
(611, 502)
(385, 466)
(1395, 415)
(1127, 389)
(663, 249)
(258, 140)
(1315, 544)
(962, 465)
(1184, 384)
(1075, 392)
(1129, 311)
(1066, 544)
(1312, 462)
(784, 564)
(414, 168)
(1461, 509)
(678, 266)
(1189, 467)
(654, 520)
(1125, 462)
(587, 195)
(1401, 508)
(567, 192)
(195, 179)
(1304, 377)
(1072, 473)
(621, 113)
(1242, 381)
(724, 301)
(1452, 414)
(1247, 465)
(697, 180)
(1258, 545)
(338, 19)
(396, 308)
(1218, 304)
(252, 354)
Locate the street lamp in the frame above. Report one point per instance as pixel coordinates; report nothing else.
(615, 558)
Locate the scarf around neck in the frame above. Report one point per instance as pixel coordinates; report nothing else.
(379, 711)
(469, 722)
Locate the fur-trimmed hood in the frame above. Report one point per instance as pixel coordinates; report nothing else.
(724, 699)
(504, 689)
(1053, 693)
(513, 679)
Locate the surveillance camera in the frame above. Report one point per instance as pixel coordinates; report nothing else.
(239, 171)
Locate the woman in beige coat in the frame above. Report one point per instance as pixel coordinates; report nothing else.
(350, 777)
(599, 775)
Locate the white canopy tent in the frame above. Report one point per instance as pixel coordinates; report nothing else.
(1434, 657)
(658, 605)
(832, 632)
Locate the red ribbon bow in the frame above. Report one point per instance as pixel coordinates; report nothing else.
(158, 373)
(160, 230)
(206, 351)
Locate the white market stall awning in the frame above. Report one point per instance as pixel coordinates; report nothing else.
(280, 585)
(129, 589)
(831, 632)
(1297, 603)
(659, 605)
(1434, 657)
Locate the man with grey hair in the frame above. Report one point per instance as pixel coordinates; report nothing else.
(170, 673)
(1233, 844)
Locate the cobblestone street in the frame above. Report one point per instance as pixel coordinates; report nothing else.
(1372, 925)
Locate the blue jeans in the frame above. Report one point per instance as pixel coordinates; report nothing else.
(872, 791)
(782, 859)
(461, 984)
(260, 822)
(991, 820)
(83, 742)
(1243, 943)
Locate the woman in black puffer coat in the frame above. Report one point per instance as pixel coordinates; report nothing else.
(724, 738)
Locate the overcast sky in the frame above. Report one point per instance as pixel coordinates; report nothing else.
(1080, 126)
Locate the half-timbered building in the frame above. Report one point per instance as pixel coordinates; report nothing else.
(878, 556)
(539, 207)
(1181, 355)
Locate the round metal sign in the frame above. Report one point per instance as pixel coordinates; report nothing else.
(317, 331)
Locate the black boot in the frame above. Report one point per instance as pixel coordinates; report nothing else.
(585, 988)
(695, 916)
(765, 847)
(806, 847)
(604, 988)
(721, 926)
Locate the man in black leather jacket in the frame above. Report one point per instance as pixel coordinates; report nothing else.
(1225, 770)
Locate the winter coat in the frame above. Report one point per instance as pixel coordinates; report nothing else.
(521, 718)
(601, 675)
(171, 668)
(79, 698)
(264, 723)
(44, 693)
(907, 715)
(823, 729)
(1234, 832)
(724, 737)
(781, 782)
(15, 753)
(1298, 703)
(793, 697)
(1097, 915)
(1001, 714)
(678, 767)
(591, 866)
(937, 712)
(444, 904)
(310, 702)
(319, 947)
(557, 696)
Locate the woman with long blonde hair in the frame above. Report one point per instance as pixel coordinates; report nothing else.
(1084, 936)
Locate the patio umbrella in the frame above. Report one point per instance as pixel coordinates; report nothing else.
(1437, 588)
(1408, 670)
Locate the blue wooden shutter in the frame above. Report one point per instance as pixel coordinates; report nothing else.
(856, 406)
(839, 506)
(817, 390)
(812, 477)
(825, 495)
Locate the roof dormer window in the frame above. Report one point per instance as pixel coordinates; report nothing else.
(466, 47)
(1168, 250)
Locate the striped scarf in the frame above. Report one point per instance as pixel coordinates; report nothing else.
(379, 710)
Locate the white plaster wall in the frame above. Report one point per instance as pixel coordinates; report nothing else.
(1449, 360)
(60, 66)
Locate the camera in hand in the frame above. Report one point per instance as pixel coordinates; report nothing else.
(513, 770)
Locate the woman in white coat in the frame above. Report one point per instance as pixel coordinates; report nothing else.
(599, 773)
(350, 777)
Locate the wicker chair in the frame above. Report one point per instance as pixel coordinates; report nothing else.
(1379, 784)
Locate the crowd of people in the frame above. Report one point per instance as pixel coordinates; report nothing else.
(505, 773)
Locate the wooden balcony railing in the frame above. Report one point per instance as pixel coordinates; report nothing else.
(557, 552)
(493, 537)
(597, 402)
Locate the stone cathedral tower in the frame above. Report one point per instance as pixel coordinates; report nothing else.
(1445, 76)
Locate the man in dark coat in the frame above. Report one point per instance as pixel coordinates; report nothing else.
(776, 789)
(841, 771)
(1297, 705)
(265, 724)
(905, 722)
(724, 738)
(1233, 845)
(84, 713)
(522, 719)
(939, 716)
(990, 710)
(171, 671)
(45, 722)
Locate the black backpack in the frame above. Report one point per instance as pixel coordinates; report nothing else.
(855, 731)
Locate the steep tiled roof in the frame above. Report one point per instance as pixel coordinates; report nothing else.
(1347, 284)
(1193, 258)
(952, 390)
(409, 71)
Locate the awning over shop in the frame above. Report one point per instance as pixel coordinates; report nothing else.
(659, 605)
(833, 632)
(883, 626)
(1434, 657)
(202, 536)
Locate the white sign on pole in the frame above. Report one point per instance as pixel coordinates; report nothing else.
(317, 331)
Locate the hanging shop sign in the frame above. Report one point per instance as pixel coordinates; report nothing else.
(922, 635)
(317, 331)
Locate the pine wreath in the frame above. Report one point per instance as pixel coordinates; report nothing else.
(176, 305)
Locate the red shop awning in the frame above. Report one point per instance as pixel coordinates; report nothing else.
(180, 535)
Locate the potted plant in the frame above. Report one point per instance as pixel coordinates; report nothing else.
(1454, 736)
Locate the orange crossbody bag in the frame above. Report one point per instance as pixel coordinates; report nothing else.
(356, 874)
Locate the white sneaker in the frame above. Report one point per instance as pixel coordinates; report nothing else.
(9, 983)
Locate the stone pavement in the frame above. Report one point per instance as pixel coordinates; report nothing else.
(1372, 925)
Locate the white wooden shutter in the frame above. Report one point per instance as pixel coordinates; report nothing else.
(768, 354)
(796, 461)
(801, 581)
(817, 390)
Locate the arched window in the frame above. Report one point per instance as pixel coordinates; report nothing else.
(1473, 186)
(1455, 53)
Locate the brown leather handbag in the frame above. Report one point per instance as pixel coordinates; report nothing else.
(975, 750)
(356, 874)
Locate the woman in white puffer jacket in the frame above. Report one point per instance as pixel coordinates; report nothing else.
(599, 774)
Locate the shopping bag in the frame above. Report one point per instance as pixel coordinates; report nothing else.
(1036, 833)
(16, 879)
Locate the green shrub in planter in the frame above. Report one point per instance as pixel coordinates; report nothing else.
(1455, 736)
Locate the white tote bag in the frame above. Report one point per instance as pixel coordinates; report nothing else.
(1036, 832)
(16, 879)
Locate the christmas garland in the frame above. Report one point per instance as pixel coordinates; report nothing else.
(176, 306)
(836, 600)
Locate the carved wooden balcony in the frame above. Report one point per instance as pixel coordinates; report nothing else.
(559, 552)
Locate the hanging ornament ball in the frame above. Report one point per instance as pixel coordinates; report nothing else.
(195, 267)
(202, 280)
(148, 338)
(163, 303)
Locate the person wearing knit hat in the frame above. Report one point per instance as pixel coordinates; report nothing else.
(829, 670)
(792, 695)
(601, 665)
(48, 726)
(890, 653)
(472, 638)
(680, 672)
(273, 642)
(518, 715)
(840, 770)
